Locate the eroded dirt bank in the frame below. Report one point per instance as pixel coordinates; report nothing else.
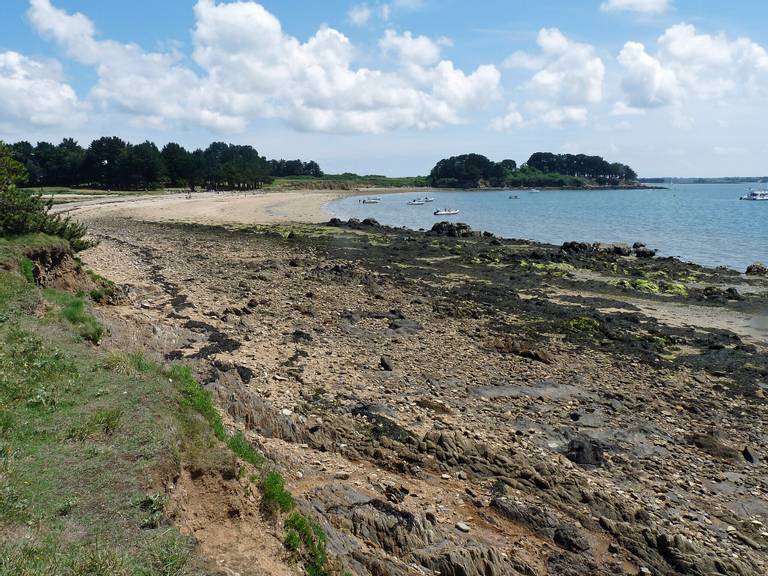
(467, 405)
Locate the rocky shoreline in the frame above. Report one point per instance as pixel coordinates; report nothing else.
(454, 403)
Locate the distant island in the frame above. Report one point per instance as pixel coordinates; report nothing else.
(542, 170)
(724, 180)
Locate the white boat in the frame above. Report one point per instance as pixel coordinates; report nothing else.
(445, 212)
(371, 200)
(416, 202)
(756, 195)
(428, 199)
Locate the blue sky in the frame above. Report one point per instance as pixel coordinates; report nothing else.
(672, 87)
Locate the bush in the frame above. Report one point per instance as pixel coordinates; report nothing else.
(26, 212)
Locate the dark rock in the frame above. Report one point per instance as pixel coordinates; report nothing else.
(585, 451)
(404, 327)
(570, 538)
(335, 222)
(643, 252)
(510, 346)
(451, 229)
(371, 222)
(245, 373)
(757, 269)
(733, 294)
(711, 444)
(577, 247)
(301, 336)
(387, 363)
(749, 455)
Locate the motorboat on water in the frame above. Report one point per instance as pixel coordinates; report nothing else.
(756, 195)
(428, 199)
(371, 200)
(416, 202)
(515, 197)
(445, 212)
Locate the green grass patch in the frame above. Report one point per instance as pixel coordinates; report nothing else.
(27, 269)
(83, 436)
(306, 540)
(243, 449)
(199, 399)
(274, 496)
(103, 421)
(129, 363)
(73, 308)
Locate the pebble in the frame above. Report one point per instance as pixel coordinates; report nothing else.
(462, 526)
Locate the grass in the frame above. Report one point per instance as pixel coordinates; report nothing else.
(27, 269)
(86, 438)
(13, 250)
(306, 540)
(274, 496)
(199, 399)
(73, 309)
(85, 435)
(105, 291)
(101, 422)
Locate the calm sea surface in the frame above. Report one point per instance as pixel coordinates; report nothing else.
(703, 223)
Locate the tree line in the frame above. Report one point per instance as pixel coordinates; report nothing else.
(112, 163)
(542, 169)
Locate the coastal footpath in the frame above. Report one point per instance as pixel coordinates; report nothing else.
(445, 402)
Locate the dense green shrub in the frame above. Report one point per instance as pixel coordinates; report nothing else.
(27, 212)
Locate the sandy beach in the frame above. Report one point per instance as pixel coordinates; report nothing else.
(308, 206)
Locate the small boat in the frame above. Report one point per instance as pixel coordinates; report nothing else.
(515, 197)
(445, 212)
(756, 195)
(428, 199)
(371, 200)
(416, 202)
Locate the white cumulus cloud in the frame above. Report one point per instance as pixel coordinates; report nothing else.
(250, 68)
(692, 65)
(511, 120)
(360, 14)
(418, 50)
(568, 78)
(34, 94)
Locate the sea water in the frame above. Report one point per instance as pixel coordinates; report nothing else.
(702, 223)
